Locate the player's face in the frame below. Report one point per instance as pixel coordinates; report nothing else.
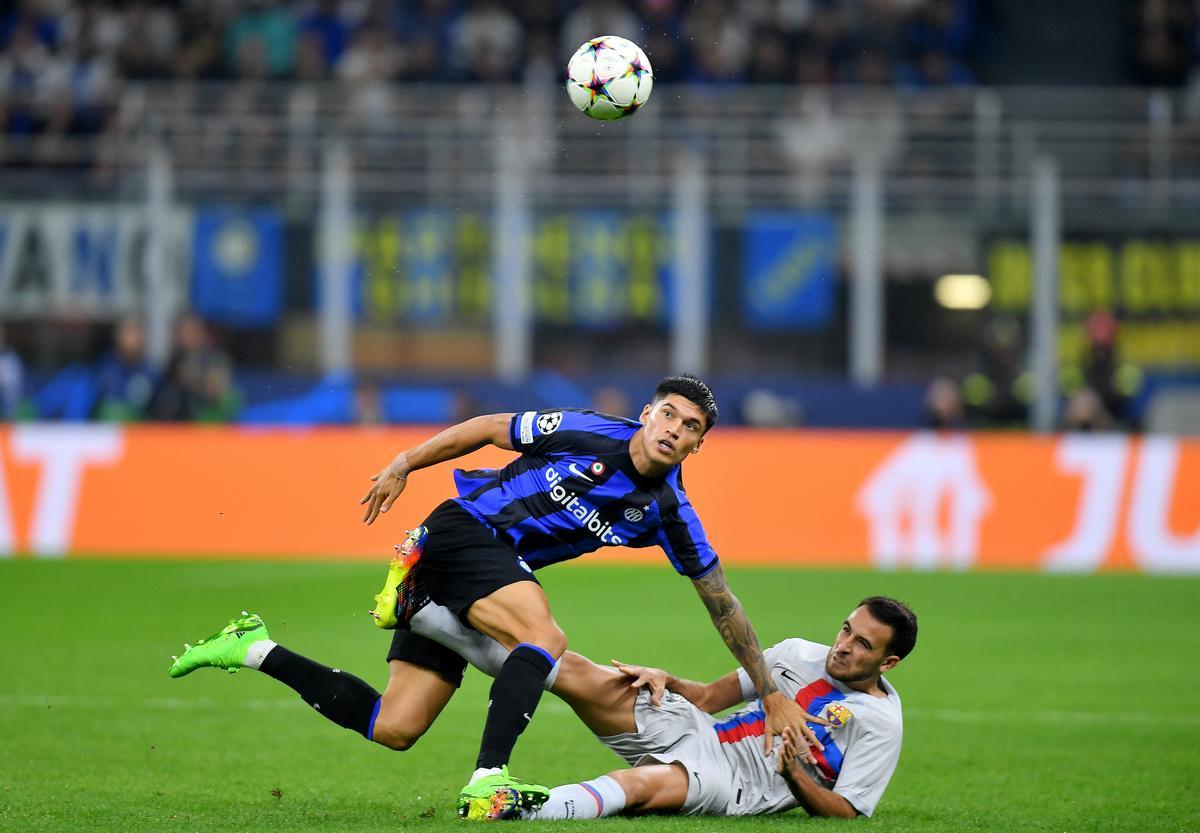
(860, 651)
(674, 428)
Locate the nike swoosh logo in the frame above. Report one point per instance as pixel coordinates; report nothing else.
(575, 471)
(787, 675)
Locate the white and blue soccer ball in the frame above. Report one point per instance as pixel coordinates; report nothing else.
(609, 78)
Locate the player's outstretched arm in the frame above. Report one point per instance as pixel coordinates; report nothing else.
(475, 433)
(731, 622)
(815, 799)
(712, 697)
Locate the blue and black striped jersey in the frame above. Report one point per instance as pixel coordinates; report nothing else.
(574, 489)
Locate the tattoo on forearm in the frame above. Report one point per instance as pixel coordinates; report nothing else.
(731, 622)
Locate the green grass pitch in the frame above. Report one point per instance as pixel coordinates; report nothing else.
(1031, 702)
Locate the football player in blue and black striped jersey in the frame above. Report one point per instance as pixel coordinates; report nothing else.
(583, 480)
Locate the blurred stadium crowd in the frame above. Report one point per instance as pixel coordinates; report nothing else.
(62, 63)
(64, 66)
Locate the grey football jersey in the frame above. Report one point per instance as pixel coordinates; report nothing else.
(861, 748)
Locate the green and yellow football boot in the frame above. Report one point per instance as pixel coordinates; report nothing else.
(500, 796)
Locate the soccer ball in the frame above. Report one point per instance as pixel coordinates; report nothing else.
(609, 78)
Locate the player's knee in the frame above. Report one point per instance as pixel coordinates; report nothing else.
(395, 735)
(636, 786)
(553, 641)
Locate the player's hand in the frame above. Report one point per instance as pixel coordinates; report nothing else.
(789, 750)
(655, 678)
(389, 483)
(783, 712)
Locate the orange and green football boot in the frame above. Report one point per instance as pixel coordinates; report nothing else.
(396, 596)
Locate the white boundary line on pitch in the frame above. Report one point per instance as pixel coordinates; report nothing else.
(1033, 715)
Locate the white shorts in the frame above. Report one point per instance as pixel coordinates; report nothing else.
(678, 732)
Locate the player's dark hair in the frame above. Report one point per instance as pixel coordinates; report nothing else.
(692, 389)
(899, 617)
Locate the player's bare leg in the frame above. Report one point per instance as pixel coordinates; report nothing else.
(519, 613)
(656, 788)
(600, 696)
(518, 617)
(414, 697)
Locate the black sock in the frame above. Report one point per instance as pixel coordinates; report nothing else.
(515, 694)
(343, 698)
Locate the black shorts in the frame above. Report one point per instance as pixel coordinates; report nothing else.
(463, 561)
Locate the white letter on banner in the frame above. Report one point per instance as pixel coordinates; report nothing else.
(902, 499)
(1100, 462)
(63, 452)
(1155, 548)
(8, 539)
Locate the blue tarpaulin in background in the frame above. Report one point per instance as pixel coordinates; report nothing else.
(789, 264)
(237, 266)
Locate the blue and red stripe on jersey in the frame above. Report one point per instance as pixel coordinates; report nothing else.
(812, 698)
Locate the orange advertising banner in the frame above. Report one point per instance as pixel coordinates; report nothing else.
(924, 500)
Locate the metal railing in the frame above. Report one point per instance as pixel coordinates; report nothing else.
(951, 150)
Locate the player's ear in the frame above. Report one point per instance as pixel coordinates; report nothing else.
(888, 664)
(699, 443)
(645, 415)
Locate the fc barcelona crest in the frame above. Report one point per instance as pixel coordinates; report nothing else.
(837, 714)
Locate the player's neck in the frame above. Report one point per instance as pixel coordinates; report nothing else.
(871, 687)
(641, 460)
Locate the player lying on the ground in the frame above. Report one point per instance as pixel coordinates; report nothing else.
(582, 481)
(684, 759)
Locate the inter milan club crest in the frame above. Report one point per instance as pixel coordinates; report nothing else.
(548, 423)
(633, 514)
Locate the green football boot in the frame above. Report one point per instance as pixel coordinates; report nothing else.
(500, 796)
(390, 601)
(224, 649)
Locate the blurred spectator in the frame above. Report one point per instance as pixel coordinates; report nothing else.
(201, 30)
(368, 403)
(12, 380)
(25, 79)
(1114, 384)
(125, 379)
(943, 404)
(771, 58)
(424, 36)
(1085, 412)
(485, 43)
(326, 26)
(1162, 41)
(762, 408)
(264, 34)
(662, 40)
(612, 401)
(938, 41)
(598, 17)
(144, 37)
(33, 16)
(998, 393)
(197, 385)
(721, 42)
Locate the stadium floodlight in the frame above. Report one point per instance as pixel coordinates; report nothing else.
(962, 291)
